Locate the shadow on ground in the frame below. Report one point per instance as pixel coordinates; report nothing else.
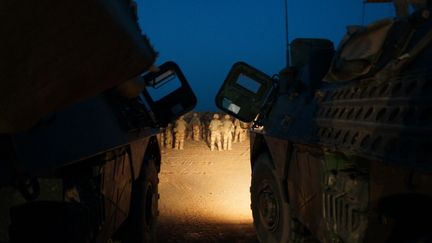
(206, 232)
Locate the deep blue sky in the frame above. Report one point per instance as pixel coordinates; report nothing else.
(206, 37)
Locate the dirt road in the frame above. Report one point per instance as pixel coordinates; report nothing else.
(204, 195)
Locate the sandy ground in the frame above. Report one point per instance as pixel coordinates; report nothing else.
(204, 195)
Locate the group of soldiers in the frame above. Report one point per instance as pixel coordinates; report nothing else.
(218, 133)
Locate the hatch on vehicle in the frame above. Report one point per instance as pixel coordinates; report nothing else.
(168, 93)
(244, 92)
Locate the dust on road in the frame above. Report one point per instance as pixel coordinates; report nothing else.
(204, 195)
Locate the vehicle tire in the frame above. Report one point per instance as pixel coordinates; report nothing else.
(142, 221)
(270, 212)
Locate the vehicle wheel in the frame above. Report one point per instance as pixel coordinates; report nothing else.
(144, 206)
(271, 214)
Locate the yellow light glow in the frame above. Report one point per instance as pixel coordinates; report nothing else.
(206, 186)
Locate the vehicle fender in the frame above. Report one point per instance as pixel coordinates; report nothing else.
(279, 150)
(137, 151)
(116, 189)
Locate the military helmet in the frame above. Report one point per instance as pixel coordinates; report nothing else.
(215, 116)
(227, 117)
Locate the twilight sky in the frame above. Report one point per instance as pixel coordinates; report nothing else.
(206, 37)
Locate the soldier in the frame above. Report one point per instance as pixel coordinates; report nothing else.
(168, 136)
(196, 127)
(244, 132)
(160, 138)
(227, 130)
(238, 130)
(215, 132)
(188, 133)
(206, 130)
(180, 132)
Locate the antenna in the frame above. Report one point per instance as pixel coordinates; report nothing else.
(286, 35)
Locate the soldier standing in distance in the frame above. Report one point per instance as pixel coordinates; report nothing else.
(180, 132)
(244, 131)
(168, 136)
(206, 130)
(160, 138)
(227, 130)
(188, 133)
(215, 132)
(196, 127)
(238, 130)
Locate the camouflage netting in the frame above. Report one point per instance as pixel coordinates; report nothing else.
(358, 51)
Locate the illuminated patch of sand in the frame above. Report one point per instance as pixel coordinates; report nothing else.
(197, 184)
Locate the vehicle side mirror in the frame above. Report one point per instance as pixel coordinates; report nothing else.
(244, 92)
(168, 93)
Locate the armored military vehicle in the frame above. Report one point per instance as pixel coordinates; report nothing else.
(341, 142)
(79, 115)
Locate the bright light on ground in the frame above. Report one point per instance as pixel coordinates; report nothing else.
(197, 184)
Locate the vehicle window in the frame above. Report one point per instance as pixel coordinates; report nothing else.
(248, 83)
(163, 87)
(229, 105)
